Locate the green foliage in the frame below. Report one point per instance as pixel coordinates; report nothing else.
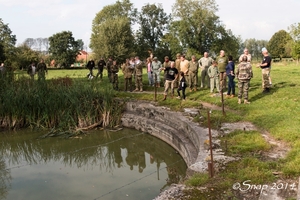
(25, 56)
(7, 43)
(64, 48)
(113, 38)
(111, 31)
(278, 43)
(153, 22)
(295, 34)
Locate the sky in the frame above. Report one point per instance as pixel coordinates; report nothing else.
(258, 19)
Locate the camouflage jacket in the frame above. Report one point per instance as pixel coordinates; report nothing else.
(127, 70)
(139, 68)
(244, 71)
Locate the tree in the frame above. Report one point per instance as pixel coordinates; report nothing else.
(278, 43)
(25, 56)
(7, 43)
(199, 28)
(295, 44)
(111, 30)
(114, 39)
(153, 23)
(39, 44)
(64, 48)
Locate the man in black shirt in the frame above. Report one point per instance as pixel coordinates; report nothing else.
(100, 65)
(171, 75)
(265, 66)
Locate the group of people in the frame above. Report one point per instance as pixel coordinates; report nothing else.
(182, 74)
(40, 70)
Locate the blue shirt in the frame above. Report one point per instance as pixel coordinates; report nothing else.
(230, 67)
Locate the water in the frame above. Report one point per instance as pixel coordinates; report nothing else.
(106, 165)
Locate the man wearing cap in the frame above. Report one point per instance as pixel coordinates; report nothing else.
(204, 63)
(156, 68)
(265, 66)
(193, 72)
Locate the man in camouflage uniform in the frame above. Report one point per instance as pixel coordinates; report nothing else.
(108, 67)
(127, 71)
(204, 63)
(101, 64)
(138, 74)
(41, 70)
(193, 71)
(114, 75)
(244, 74)
(177, 66)
(222, 61)
(167, 63)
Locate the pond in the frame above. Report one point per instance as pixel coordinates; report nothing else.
(127, 164)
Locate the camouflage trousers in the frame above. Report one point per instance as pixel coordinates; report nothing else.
(223, 77)
(128, 84)
(265, 78)
(139, 82)
(115, 81)
(193, 80)
(243, 87)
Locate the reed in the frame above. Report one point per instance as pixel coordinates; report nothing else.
(60, 103)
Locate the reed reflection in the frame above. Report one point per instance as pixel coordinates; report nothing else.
(5, 179)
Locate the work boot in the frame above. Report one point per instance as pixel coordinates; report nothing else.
(246, 101)
(239, 101)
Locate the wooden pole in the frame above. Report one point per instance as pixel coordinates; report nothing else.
(210, 145)
(155, 88)
(222, 99)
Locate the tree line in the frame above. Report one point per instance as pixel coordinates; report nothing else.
(120, 30)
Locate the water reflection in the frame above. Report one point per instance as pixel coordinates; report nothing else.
(101, 159)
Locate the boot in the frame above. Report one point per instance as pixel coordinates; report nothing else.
(165, 97)
(246, 101)
(239, 101)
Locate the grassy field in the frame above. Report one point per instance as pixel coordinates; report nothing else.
(276, 112)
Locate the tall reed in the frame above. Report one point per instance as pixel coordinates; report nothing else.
(61, 103)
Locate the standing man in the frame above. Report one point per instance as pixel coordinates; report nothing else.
(41, 70)
(109, 63)
(193, 72)
(244, 74)
(114, 75)
(265, 66)
(167, 63)
(246, 53)
(171, 76)
(177, 66)
(184, 67)
(156, 68)
(90, 65)
(101, 64)
(31, 70)
(204, 63)
(222, 61)
(138, 74)
(127, 71)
